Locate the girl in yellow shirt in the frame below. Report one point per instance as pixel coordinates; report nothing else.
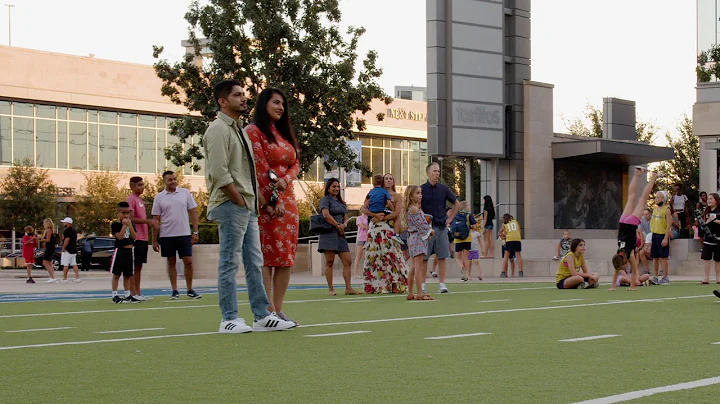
(573, 272)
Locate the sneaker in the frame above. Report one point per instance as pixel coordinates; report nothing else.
(442, 288)
(139, 297)
(175, 295)
(282, 316)
(117, 299)
(51, 280)
(193, 295)
(398, 240)
(716, 293)
(146, 297)
(272, 323)
(582, 285)
(503, 275)
(236, 326)
(664, 281)
(654, 280)
(464, 276)
(30, 280)
(434, 274)
(131, 299)
(63, 281)
(78, 280)
(424, 288)
(522, 275)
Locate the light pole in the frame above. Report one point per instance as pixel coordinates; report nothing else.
(9, 6)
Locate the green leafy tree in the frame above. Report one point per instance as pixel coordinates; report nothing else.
(685, 168)
(644, 131)
(29, 196)
(708, 65)
(96, 209)
(295, 45)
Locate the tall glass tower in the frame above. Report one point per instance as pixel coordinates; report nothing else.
(708, 25)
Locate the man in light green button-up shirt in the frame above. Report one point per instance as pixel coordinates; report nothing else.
(232, 183)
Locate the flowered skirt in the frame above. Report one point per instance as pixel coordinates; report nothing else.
(385, 268)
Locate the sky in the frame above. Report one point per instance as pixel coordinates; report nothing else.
(641, 50)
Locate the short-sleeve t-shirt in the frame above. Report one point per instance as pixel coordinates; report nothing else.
(679, 202)
(115, 227)
(362, 233)
(378, 199)
(173, 207)
(28, 249)
(564, 270)
(475, 246)
(138, 208)
(71, 235)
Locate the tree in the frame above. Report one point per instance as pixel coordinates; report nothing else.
(290, 44)
(29, 196)
(96, 209)
(685, 168)
(708, 64)
(313, 194)
(645, 132)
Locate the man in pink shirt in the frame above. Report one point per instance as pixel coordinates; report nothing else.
(138, 215)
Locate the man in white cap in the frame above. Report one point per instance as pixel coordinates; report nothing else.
(69, 250)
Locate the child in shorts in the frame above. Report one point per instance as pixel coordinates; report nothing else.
(502, 254)
(474, 254)
(29, 244)
(627, 231)
(380, 199)
(123, 263)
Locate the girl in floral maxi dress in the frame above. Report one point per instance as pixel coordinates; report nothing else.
(385, 270)
(419, 231)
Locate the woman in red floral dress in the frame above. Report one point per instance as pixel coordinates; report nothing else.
(275, 148)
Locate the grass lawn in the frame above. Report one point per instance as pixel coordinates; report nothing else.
(665, 337)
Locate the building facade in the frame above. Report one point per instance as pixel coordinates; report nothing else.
(706, 111)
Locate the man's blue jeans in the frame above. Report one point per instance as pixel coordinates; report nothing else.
(239, 235)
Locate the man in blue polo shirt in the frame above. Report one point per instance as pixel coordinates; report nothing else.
(434, 197)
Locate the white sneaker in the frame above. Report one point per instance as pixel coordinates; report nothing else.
(63, 281)
(236, 326)
(443, 289)
(147, 297)
(424, 288)
(272, 323)
(139, 297)
(51, 280)
(78, 280)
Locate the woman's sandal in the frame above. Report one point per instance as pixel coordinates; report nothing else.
(703, 283)
(332, 293)
(424, 297)
(410, 297)
(353, 292)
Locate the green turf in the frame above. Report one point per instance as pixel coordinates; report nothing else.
(662, 343)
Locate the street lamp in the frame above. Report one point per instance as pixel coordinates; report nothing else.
(9, 6)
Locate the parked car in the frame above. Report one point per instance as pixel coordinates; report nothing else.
(102, 251)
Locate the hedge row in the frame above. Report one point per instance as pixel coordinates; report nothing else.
(209, 231)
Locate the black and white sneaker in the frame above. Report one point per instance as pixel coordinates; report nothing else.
(117, 299)
(272, 323)
(236, 326)
(193, 295)
(175, 295)
(131, 299)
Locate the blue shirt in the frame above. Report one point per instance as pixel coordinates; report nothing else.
(378, 197)
(434, 198)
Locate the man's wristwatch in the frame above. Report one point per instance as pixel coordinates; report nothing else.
(196, 232)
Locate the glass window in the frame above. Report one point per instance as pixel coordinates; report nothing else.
(377, 142)
(108, 117)
(23, 147)
(171, 141)
(405, 181)
(311, 173)
(45, 111)
(367, 161)
(128, 119)
(62, 144)
(161, 143)
(108, 147)
(396, 167)
(5, 107)
(78, 146)
(201, 165)
(62, 112)
(93, 163)
(128, 149)
(377, 161)
(146, 121)
(23, 109)
(45, 143)
(365, 140)
(78, 114)
(147, 155)
(5, 141)
(161, 121)
(92, 116)
(396, 144)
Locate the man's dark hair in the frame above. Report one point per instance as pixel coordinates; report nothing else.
(123, 204)
(135, 180)
(679, 185)
(703, 193)
(168, 172)
(223, 89)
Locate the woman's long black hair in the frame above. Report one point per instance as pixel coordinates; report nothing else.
(489, 205)
(329, 183)
(262, 118)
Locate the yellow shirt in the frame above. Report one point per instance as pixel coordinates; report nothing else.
(658, 223)
(564, 270)
(512, 231)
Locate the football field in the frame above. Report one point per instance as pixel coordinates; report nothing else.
(482, 343)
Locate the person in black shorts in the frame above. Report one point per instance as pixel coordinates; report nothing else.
(122, 261)
(711, 231)
(629, 222)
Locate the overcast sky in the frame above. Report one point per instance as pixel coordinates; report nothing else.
(642, 50)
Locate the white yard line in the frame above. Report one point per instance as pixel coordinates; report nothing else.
(589, 338)
(335, 334)
(566, 300)
(493, 301)
(619, 398)
(42, 329)
(103, 341)
(133, 330)
(459, 335)
(359, 301)
(79, 300)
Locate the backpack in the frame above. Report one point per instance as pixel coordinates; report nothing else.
(460, 227)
